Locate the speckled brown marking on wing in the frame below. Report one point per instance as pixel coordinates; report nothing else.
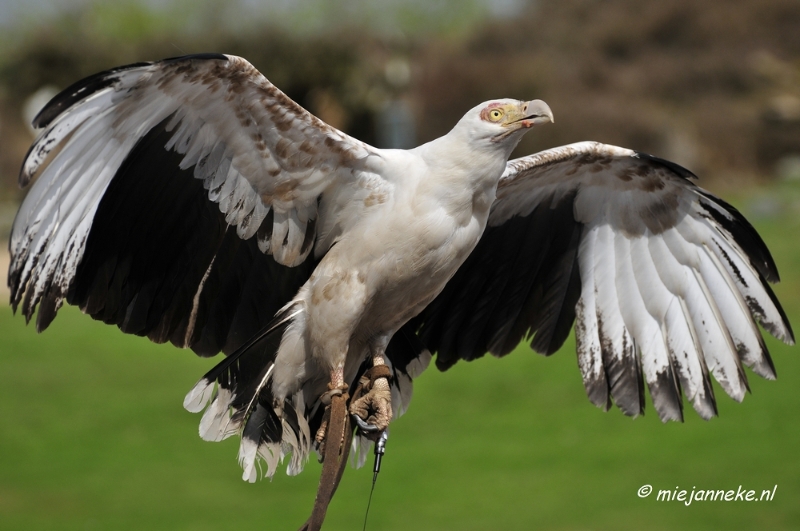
(260, 143)
(282, 148)
(375, 198)
(590, 158)
(285, 190)
(277, 129)
(345, 154)
(307, 147)
(662, 213)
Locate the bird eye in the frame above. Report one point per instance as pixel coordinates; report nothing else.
(492, 114)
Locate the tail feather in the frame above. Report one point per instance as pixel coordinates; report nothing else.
(241, 395)
(271, 433)
(229, 371)
(238, 398)
(251, 438)
(199, 397)
(296, 425)
(215, 425)
(259, 441)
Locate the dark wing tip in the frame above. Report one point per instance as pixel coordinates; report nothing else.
(775, 331)
(197, 56)
(24, 177)
(755, 251)
(443, 363)
(675, 168)
(89, 85)
(77, 92)
(666, 394)
(788, 329)
(745, 235)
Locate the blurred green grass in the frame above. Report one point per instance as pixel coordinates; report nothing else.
(93, 436)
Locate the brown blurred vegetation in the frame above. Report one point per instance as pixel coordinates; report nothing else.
(696, 82)
(714, 86)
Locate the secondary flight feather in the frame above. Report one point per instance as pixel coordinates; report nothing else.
(189, 200)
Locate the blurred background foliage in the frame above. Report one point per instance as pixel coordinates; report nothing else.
(714, 86)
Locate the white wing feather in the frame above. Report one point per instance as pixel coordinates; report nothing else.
(666, 288)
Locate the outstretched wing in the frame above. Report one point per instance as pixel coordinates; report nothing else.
(664, 282)
(181, 200)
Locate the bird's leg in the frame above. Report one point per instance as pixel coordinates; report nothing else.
(373, 411)
(336, 387)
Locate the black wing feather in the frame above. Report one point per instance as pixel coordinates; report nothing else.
(521, 279)
(155, 239)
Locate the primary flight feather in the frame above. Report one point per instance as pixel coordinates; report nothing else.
(191, 201)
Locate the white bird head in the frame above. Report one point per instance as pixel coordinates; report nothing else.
(504, 121)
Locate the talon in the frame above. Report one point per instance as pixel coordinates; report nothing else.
(363, 426)
(372, 412)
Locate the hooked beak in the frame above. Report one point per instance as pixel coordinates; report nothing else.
(524, 116)
(535, 112)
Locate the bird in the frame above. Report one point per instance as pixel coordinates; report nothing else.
(189, 200)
